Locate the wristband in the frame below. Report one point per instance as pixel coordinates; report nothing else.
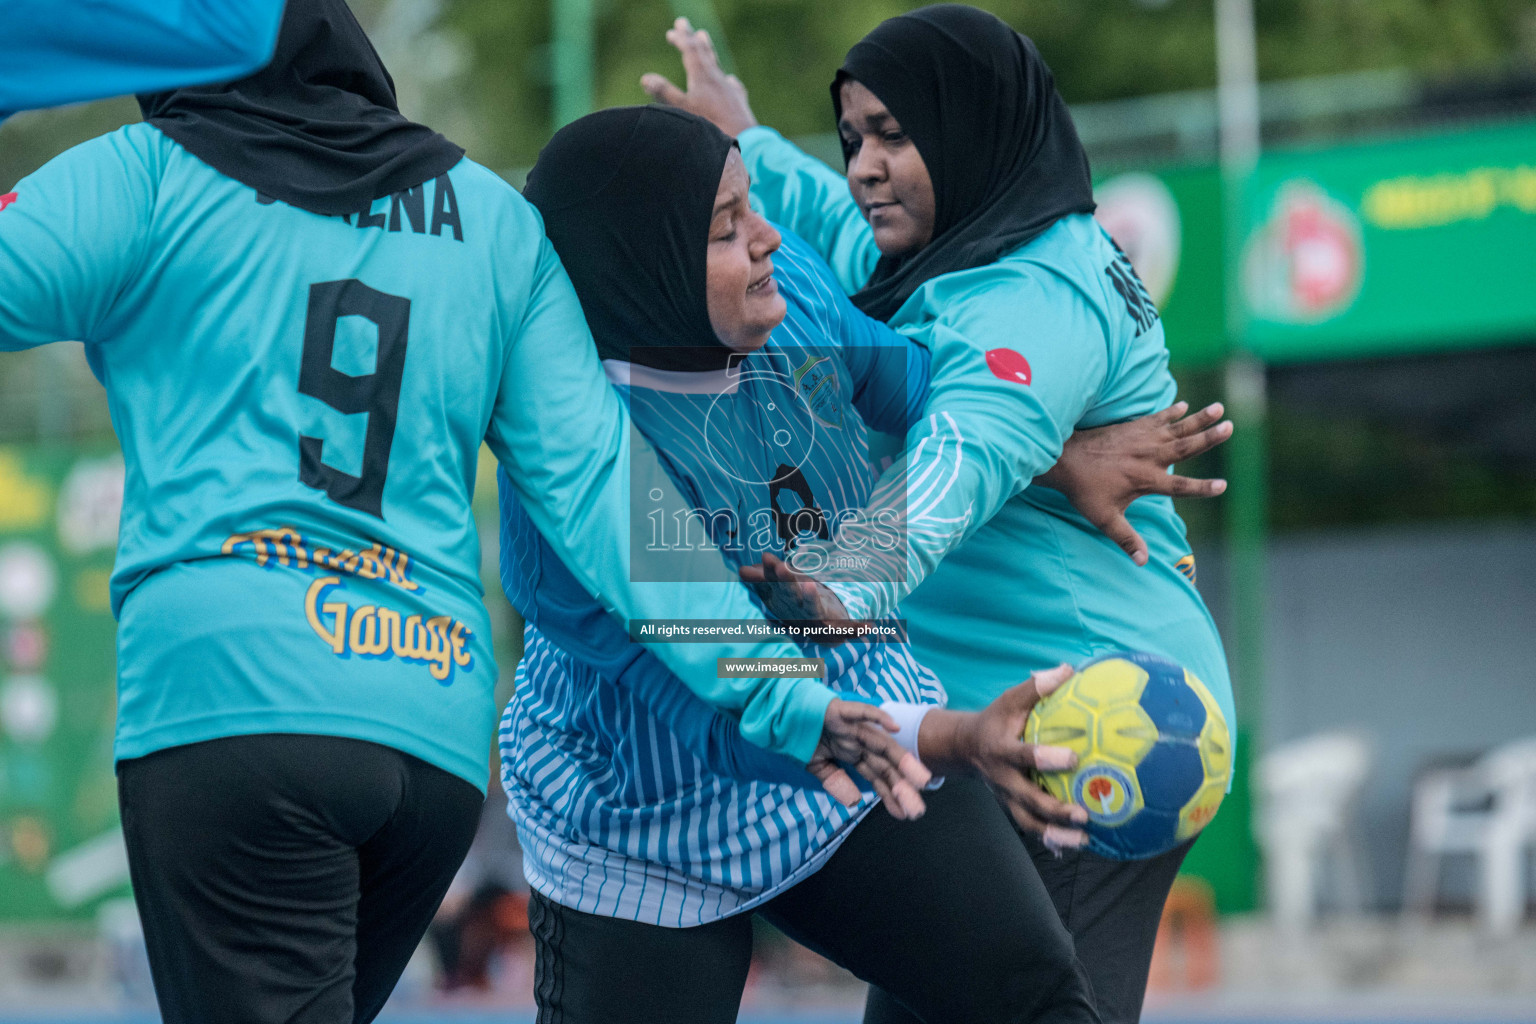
(910, 718)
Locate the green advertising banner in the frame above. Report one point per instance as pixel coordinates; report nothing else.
(61, 850)
(1169, 223)
(1392, 248)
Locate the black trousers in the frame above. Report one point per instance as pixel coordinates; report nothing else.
(1111, 907)
(287, 878)
(946, 913)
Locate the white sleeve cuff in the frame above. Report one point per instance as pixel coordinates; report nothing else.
(910, 718)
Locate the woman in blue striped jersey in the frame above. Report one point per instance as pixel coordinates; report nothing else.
(754, 377)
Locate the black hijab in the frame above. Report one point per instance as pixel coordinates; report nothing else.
(318, 128)
(982, 108)
(627, 195)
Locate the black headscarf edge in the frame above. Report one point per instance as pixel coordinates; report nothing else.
(318, 128)
(630, 222)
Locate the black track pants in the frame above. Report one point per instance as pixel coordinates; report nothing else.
(947, 913)
(287, 878)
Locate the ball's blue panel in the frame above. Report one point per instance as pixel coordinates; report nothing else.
(1173, 705)
(1148, 834)
(1170, 775)
(1151, 663)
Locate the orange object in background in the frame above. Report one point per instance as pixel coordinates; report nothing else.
(468, 941)
(1187, 956)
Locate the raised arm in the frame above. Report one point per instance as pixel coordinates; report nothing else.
(793, 189)
(53, 53)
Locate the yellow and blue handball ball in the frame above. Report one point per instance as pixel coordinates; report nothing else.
(1153, 752)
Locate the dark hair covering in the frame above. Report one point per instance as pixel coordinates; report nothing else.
(982, 108)
(627, 195)
(318, 128)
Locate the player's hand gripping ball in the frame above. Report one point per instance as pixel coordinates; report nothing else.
(1153, 752)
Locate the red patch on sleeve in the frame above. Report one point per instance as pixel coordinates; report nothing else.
(1006, 364)
(7, 200)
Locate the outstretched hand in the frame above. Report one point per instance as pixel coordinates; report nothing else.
(861, 736)
(711, 93)
(1103, 470)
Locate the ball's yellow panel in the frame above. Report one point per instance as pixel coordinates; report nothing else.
(1061, 723)
(1058, 784)
(1125, 733)
(1215, 738)
(1107, 683)
(1201, 808)
(1216, 751)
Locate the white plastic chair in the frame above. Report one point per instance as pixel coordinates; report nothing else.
(1488, 811)
(1309, 790)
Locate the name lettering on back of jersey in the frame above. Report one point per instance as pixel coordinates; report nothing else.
(1138, 303)
(7, 199)
(404, 210)
(439, 642)
(410, 207)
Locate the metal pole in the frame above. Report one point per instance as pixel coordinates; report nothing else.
(1246, 507)
(571, 59)
(55, 401)
(1237, 86)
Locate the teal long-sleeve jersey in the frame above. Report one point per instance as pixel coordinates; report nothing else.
(1002, 576)
(301, 401)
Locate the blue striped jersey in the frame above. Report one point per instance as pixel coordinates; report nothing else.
(631, 796)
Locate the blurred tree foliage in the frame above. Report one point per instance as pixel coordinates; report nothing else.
(786, 50)
(480, 69)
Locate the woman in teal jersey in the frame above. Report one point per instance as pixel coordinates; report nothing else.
(964, 222)
(309, 313)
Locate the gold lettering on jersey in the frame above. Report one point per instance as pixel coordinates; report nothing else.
(285, 546)
(440, 643)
